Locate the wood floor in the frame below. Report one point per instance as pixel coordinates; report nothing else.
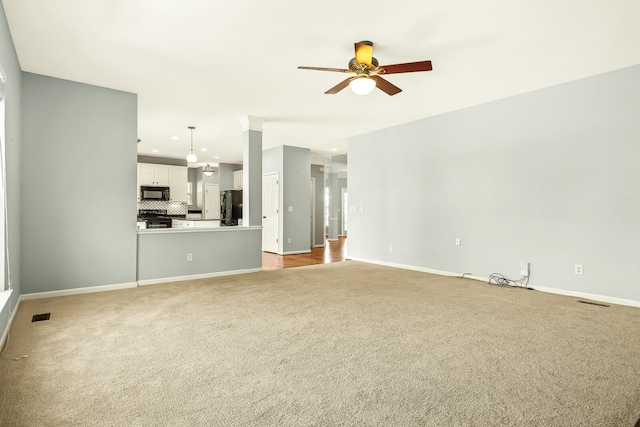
(332, 252)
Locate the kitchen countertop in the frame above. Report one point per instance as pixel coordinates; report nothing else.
(199, 230)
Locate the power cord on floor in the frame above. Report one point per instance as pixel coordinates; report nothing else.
(499, 280)
(4, 348)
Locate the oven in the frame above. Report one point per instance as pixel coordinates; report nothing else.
(154, 218)
(159, 223)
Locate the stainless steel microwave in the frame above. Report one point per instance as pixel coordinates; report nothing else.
(154, 193)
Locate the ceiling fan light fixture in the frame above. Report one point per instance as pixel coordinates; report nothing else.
(191, 157)
(208, 170)
(362, 85)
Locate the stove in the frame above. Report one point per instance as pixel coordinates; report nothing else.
(155, 218)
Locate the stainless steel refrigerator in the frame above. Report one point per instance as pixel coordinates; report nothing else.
(230, 207)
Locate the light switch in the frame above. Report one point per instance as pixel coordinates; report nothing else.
(290, 209)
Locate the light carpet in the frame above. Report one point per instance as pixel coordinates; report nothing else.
(340, 344)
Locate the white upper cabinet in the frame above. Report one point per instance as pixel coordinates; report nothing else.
(149, 174)
(237, 180)
(178, 183)
(174, 177)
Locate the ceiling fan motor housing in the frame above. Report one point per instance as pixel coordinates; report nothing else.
(357, 68)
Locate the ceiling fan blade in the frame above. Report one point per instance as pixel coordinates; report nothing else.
(408, 67)
(337, 70)
(364, 52)
(385, 86)
(337, 88)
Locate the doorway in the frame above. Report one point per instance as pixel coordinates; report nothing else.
(345, 208)
(211, 201)
(313, 213)
(270, 214)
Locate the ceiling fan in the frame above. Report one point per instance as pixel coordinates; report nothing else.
(367, 72)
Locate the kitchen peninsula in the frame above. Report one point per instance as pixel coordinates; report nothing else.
(178, 239)
(174, 254)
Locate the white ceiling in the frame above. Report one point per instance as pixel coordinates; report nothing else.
(208, 63)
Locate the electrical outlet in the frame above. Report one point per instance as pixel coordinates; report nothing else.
(390, 248)
(189, 257)
(578, 269)
(458, 241)
(289, 240)
(524, 268)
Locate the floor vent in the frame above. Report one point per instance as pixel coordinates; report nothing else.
(593, 303)
(40, 317)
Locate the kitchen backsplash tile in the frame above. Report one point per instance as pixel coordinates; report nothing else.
(173, 208)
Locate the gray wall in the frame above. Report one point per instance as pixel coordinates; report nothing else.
(78, 195)
(319, 225)
(293, 165)
(164, 255)
(226, 175)
(296, 192)
(550, 177)
(11, 67)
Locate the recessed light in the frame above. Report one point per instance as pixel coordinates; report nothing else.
(175, 138)
(203, 149)
(334, 149)
(154, 151)
(216, 157)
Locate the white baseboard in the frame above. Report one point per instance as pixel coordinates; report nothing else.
(196, 276)
(12, 314)
(76, 291)
(319, 246)
(308, 251)
(412, 267)
(584, 295)
(594, 297)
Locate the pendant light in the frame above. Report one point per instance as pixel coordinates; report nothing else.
(191, 157)
(208, 170)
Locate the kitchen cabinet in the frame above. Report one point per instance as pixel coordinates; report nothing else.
(174, 177)
(237, 180)
(178, 183)
(149, 174)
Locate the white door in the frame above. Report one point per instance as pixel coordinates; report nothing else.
(345, 208)
(211, 201)
(270, 203)
(313, 213)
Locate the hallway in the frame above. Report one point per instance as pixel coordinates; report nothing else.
(332, 252)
